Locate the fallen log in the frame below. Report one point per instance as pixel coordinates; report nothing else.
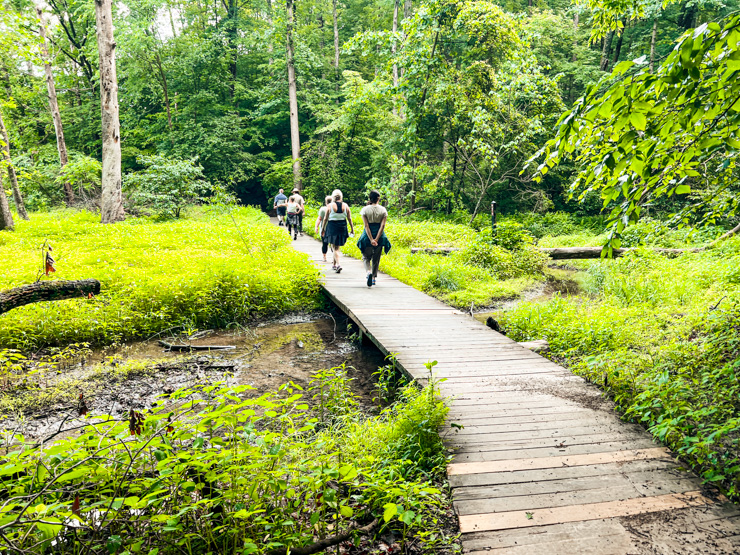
(47, 291)
(572, 253)
(179, 347)
(433, 250)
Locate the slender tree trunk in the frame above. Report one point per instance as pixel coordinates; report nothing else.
(54, 106)
(336, 45)
(111, 206)
(576, 21)
(393, 44)
(5, 149)
(618, 49)
(270, 47)
(165, 89)
(606, 51)
(233, 18)
(295, 138)
(6, 218)
(652, 45)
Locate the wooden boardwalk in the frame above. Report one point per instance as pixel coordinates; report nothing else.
(543, 464)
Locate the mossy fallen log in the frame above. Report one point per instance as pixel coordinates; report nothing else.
(47, 291)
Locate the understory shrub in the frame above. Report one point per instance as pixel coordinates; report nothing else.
(218, 471)
(501, 262)
(199, 272)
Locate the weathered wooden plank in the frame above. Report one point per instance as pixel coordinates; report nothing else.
(545, 475)
(562, 444)
(572, 513)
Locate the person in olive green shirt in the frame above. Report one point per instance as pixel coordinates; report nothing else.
(373, 240)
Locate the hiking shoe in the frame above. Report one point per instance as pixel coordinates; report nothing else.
(338, 269)
(369, 280)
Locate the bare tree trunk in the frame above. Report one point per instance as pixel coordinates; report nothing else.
(618, 49)
(54, 107)
(606, 51)
(336, 45)
(111, 206)
(270, 46)
(295, 138)
(393, 44)
(165, 88)
(42, 291)
(652, 45)
(5, 149)
(576, 21)
(6, 218)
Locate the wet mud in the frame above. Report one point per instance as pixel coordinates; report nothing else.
(134, 376)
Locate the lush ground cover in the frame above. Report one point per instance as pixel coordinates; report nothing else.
(215, 470)
(198, 272)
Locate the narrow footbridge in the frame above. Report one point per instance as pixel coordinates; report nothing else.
(543, 464)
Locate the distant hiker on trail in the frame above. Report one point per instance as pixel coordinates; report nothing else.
(373, 241)
(294, 209)
(279, 205)
(302, 204)
(318, 226)
(334, 229)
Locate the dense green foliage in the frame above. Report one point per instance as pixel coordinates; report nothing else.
(213, 469)
(478, 90)
(198, 273)
(661, 336)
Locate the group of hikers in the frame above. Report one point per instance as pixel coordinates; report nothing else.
(334, 225)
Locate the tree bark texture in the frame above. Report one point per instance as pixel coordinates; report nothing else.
(111, 206)
(652, 45)
(295, 138)
(5, 149)
(56, 116)
(336, 44)
(47, 291)
(606, 51)
(618, 49)
(6, 218)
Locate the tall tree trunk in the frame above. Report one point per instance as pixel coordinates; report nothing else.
(606, 51)
(5, 149)
(270, 47)
(233, 18)
(165, 88)
(6, 218)
(111, 206)
(295, 138)
(576, 21)
(396, 5)
(54, 106)
(618, 49)
(652, 45)
(336, 45)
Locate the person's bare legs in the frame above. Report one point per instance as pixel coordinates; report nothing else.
(335, 256)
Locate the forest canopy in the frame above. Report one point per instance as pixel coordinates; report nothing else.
(439, 104)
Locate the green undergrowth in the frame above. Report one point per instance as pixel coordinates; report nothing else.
(196, 272)
(478, 272)
(662, 336)
(212, 471)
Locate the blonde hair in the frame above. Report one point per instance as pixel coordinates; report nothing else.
(337, 194)
(291, 199)
(328, 200)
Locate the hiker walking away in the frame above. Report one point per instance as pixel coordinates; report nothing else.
(373, 241)
(334, 228)
(293, 209)
(279, 205)
(301, 202)
(318, 226)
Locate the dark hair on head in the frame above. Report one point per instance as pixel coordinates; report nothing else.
(374, 197)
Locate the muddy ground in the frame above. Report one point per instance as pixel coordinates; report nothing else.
(134, 376)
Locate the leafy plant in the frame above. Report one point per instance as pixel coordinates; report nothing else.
(166, 186)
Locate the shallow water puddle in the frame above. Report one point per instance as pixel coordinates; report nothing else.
(134, 376)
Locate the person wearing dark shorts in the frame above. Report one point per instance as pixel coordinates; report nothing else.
(373, 241)
(280, 205)
(318, 226)
(302, 203)
(338, 216)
